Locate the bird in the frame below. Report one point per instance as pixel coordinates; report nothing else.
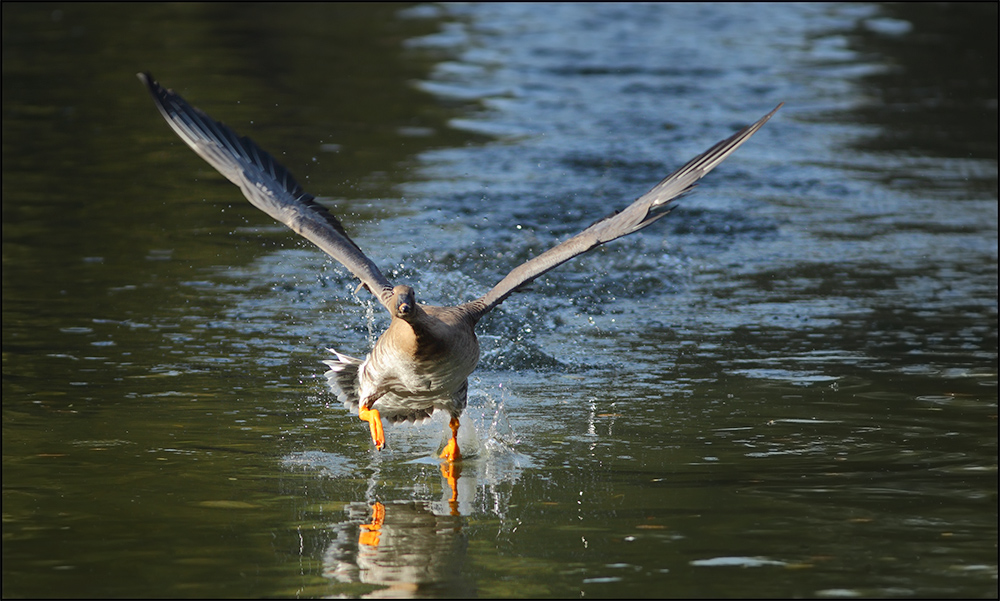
(422, 362)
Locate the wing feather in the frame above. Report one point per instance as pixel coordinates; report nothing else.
(267, 184)
(648, 208)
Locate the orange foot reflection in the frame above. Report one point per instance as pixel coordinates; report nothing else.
(370, 532)
(451, 472)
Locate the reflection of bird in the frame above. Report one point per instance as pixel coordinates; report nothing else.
(404, 545)
(422, 361)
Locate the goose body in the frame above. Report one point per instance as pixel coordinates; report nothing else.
(422, 362)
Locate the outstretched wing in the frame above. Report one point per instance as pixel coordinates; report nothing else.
(644, 211)
(266, 184)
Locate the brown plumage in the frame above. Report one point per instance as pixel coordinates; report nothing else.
(422, 362)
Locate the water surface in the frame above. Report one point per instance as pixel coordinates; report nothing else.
(787, 387)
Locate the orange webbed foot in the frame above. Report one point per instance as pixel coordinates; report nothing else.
(451, 452)
(374, 424)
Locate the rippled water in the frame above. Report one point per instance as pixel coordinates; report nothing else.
(787, 387)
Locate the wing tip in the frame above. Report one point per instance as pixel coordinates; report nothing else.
(149, 81)
(768, 116)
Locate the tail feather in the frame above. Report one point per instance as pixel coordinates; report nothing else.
(343, 379)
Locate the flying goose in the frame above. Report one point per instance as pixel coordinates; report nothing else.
(422, 362)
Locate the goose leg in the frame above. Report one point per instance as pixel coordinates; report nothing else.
(375, 424)
(451, 452)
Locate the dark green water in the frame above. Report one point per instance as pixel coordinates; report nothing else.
(788, 387)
